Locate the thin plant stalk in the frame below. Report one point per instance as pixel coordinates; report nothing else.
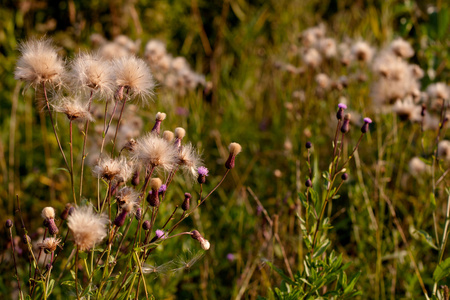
(118, 124)
(444, 239)
(76, 274)
(14, 259)
(53, 125)
(83, 154)
(71, 161)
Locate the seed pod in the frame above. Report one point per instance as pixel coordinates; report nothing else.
(52, 228)
(186, 203)
(308, 183)
(135, 179)
(346, 124)
(9, 223)
(120, 219)
(65, 212)
(146, 225)
(138, 214)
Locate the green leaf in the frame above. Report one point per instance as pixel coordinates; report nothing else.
(279, 271)
(322, 248)
(50, 287)
(68, 283)
(63, 169)
(428, 238)
(442, 271)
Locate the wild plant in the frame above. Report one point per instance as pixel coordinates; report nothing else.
(323, 272)
(101, 243)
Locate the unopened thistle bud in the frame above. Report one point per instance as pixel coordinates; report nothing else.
(340, 112)
(365, 126)
(48, 266)
(344, 176)
(308, 145)
(187, 202)
(146, 225)
(202, 173)
(138, 214)
(65, 212)
(179, 135)
(52, 228)
(159, 118)
(346, 124)
(235, 149)
(26, 239)
(120, 219)
(135, 179)
(153, 195)
(308, 183)
(9, 223)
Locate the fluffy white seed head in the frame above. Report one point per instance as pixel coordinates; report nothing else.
(189, 159)
(48, 213)
(155, 50)
(49, 244)
(91, 72)
(74, 109)
(402, 48)
(127, 195)
(407, 110)
(234, 148)
(117, 169)
(312, 58)
(133, 74)
(444, 150)
(88, 228)
(168, 135)
(154, 151)
(438, 91)
(180, 132)
(39, 63)
(160, 116)
(417, 167)
(362, 51)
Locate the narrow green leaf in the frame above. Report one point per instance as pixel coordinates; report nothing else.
(442, 270)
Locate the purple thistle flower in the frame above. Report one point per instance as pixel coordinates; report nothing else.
(159, 233)
(365, 126)
(203, 171)
(342, 105)
(367, 120)
(162, 189)
(230, 257)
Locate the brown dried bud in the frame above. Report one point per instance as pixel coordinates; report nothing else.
(146, 225)
(120, 219)
(52, 228)
(65, 212)
(9, 223)
(138, 214)
(187, 201)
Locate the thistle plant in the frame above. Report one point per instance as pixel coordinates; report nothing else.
(105, 240)
(323, 274)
